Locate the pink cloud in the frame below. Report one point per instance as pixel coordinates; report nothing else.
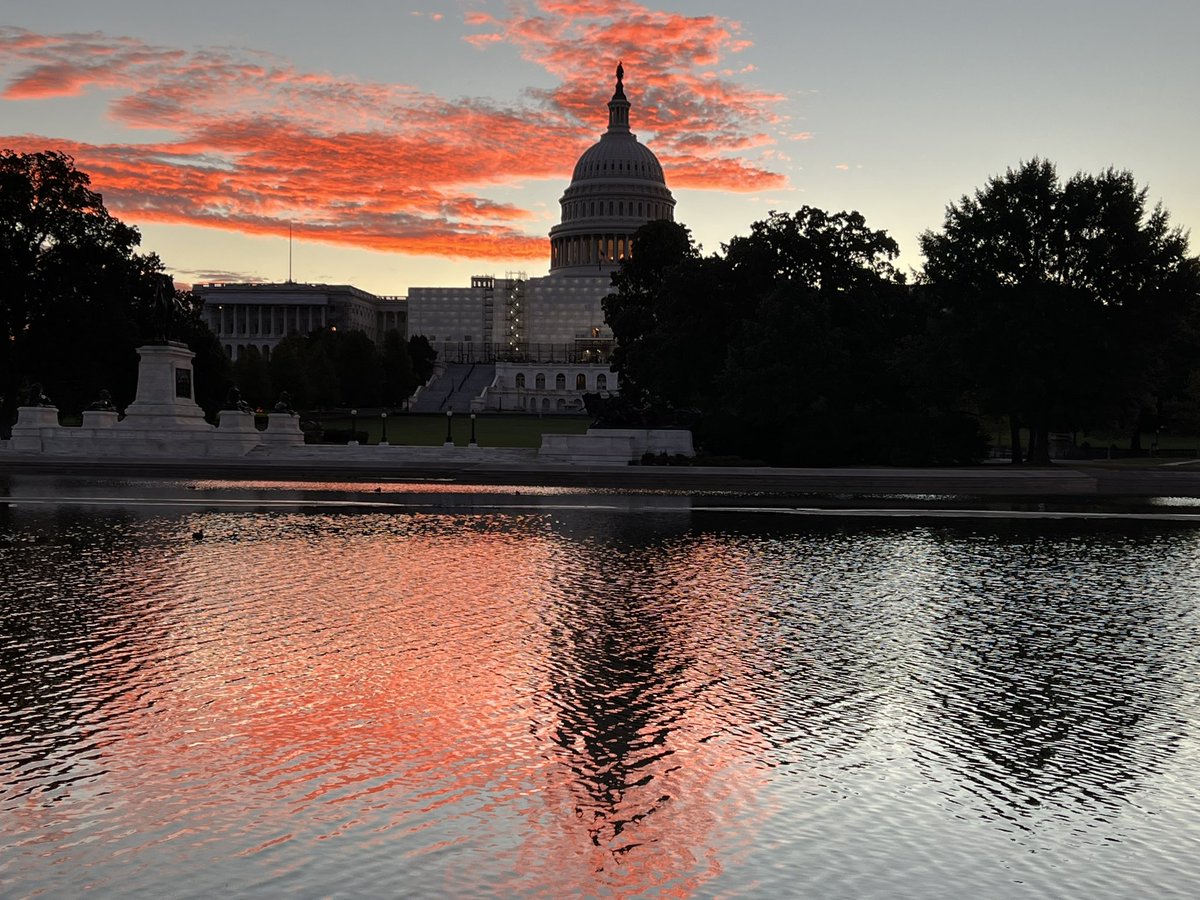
(255, 146)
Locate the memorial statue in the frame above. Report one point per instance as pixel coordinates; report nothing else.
(165, 308)
(285, 404)
(234, 401)
(102, 401)
(37, 397)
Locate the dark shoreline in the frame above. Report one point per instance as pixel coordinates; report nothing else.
(1061, 481)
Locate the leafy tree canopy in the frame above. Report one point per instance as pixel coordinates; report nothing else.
(77, 299)
(1072, 303)
(786, 346)
(336, 368)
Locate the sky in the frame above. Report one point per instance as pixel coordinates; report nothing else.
(404, 145)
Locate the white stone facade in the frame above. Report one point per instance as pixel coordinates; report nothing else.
(261, 315)
(546, 388)
(553, 318)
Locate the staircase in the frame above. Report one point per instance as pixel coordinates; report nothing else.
(454, 388)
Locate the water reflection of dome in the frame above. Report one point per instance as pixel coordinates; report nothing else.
(617, 186)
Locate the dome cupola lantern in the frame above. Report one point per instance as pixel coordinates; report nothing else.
(617, 187)
(618, 106)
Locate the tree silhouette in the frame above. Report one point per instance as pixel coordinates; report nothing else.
(77, 297)
(788, 348)
(1071, 303)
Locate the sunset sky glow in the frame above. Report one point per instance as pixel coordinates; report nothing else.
(408, 146)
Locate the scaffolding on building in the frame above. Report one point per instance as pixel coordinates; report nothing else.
(514, 311)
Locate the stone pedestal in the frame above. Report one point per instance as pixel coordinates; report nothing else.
(99, 418)
(35, 425)
(233, 421)
(166, 398)
(236, 434)
(283, 430)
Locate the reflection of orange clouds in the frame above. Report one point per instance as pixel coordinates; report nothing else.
(382, 165)
(368, 687)
(368, 677)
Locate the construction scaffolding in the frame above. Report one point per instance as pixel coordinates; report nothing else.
(514, 314)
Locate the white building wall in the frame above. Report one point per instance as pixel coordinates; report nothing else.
(262, 315)
(563, 309)
(546, 388)
(446, 315)
(556, 312)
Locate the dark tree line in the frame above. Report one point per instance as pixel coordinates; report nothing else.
(335, 369)
(1070, 304)
(1057, 305)
(76, 298)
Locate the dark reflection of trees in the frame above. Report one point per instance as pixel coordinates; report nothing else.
(784, 636)
(825, 593)
(820, 597)
(58, 621)
(617, 669)
(1051, 665)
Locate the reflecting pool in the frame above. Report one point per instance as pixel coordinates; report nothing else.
(258, 689)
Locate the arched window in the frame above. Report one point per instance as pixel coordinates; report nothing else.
(621, 208)
(521, 380)
(602, 382)
(560, 382)
(540, 382)
(562, 404)
(546, 403)
(610, 207)
(639, 207)
(580, 382)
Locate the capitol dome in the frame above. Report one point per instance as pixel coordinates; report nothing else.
(617, 187)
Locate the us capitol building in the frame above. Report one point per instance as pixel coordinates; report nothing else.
(504, 343)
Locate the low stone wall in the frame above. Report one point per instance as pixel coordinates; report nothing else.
(105, 435)
(614, 446)
(671, 441)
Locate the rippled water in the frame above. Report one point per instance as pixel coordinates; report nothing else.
(327, 690)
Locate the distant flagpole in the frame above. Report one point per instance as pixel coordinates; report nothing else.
(289, 252)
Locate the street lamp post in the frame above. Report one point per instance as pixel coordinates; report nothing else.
(383, 441)
(473, 444)
(449, 432)
(353, 428)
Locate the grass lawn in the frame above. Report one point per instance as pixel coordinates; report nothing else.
(429, 430)
(997, 433)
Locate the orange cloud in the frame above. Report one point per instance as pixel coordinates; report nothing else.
(697, 114)
(243, 141)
